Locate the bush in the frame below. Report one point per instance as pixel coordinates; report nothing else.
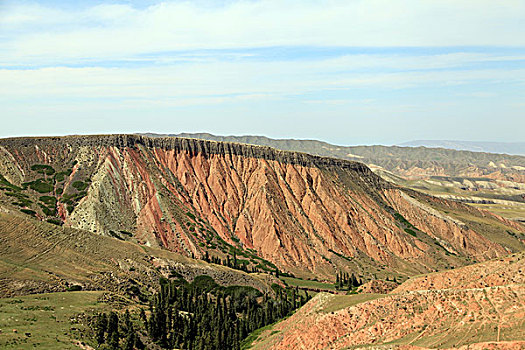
(204, 283)
(46, 210)
(43, 169)
(23, 200)
(55, 221)
(410, 232)
(28, 212)
(74, 288)
(23, 203)
(48, 200)
(7, 185)
(59, 177)
(79, 185)
(40, 186)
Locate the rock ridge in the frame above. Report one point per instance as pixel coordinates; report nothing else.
(191, 146)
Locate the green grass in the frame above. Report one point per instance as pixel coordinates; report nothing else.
(253, 336)
(46, 321)
(297, 282)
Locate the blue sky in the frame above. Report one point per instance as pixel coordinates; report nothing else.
(347, 72)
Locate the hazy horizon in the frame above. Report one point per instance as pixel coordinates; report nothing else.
(343, 72)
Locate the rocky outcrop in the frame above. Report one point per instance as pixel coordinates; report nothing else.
(452, 234)
(306, 214)
(429, 318)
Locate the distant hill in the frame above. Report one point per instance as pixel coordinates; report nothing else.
(517, 148)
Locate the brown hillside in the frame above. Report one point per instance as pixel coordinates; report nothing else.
(308, 215)
(39, 257)
(460, 315)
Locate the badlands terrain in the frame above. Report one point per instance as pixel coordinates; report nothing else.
(108, 216)
(493, 181)
(305, 215)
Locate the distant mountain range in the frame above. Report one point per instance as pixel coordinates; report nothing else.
(474, 146)
(404, 161)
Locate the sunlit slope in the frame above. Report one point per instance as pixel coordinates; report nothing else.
(302, 214)
(38, 257)
(476, 304)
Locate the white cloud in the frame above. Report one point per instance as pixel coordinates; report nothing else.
(219, 82)
(36, 33)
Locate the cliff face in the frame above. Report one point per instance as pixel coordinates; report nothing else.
(305, 214)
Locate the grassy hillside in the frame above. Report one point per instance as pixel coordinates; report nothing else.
(39, 257)
(48, 321)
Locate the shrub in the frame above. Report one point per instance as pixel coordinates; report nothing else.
(46, 210)
(74, 288)
(55, 221)
(43, 169)
(204, 283)
(40, 186)
(7, 185)
(48, 200)
(79, 185)
(410, 232)
(28, 212)
(59, 177)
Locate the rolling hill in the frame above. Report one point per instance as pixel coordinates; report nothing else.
(474, 307)
(517, 148)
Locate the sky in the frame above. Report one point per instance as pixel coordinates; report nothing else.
(347, 72)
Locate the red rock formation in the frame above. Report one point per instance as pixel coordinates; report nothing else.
(300, 212)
